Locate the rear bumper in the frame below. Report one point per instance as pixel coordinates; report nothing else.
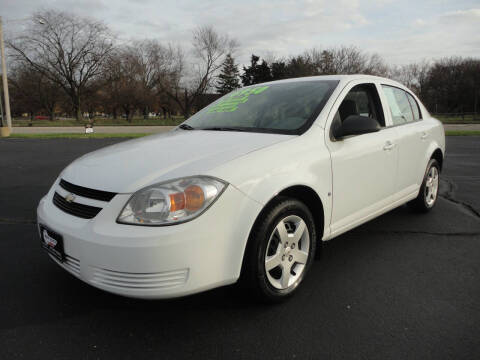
(155, 262)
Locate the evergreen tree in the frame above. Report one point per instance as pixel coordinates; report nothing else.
(256, 73)
(279, 70)
(228, 78)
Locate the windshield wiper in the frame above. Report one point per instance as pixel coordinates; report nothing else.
(186, 127)
(224, 128)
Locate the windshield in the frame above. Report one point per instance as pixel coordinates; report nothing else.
(287, 108)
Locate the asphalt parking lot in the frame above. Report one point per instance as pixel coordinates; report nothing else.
(404, 286)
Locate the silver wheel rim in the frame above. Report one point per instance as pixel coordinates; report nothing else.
(431, 186)
(287, 252)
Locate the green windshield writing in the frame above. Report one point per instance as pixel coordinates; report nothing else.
(230, 102)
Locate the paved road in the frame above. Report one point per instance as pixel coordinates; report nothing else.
(154, 129)
(404, 286)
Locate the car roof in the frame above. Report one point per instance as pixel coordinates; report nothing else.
(342, 78)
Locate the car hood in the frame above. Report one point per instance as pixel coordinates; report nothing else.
(128, 166)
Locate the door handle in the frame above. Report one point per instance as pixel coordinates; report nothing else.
(388, 146)
(424, 135)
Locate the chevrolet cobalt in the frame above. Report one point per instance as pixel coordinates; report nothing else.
(245, 190)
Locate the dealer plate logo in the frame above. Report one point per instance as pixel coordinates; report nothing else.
(48, 239)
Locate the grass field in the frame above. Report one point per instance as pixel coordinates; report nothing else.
(462, 132)
(173, 121)
(466, 119)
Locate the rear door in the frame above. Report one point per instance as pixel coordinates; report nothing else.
(363, 166)
(411, 139)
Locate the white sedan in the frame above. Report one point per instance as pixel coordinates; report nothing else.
(245, 190)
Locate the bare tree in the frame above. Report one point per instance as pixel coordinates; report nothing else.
(112, 76)
(145, 58)
(185, 83)
(129, 89)
(348, 60)
(412, 75)
(67, 49)
(343, 60)
(131, 75)
(33, 91)
(452, 85)
(375, 65)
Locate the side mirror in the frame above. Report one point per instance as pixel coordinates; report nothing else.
(356, 125)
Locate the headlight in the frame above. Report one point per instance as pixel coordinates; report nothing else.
(171, 202)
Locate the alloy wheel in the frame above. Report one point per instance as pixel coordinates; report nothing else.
(287, 252)
(431, 186)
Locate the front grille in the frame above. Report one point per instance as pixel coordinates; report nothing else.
(70, 264)
(76, 209)
(140, 281)
(86, 192)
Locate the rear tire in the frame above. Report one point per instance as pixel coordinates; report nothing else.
(281, 249)
(428, 194)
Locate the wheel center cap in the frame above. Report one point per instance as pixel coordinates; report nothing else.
(287, 250)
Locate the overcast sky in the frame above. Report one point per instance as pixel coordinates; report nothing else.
(401, 31)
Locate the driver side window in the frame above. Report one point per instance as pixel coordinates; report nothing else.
(361, 100)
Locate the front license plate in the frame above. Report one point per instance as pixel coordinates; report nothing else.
(52, 242)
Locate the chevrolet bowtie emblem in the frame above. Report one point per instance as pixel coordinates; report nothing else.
(69, 198)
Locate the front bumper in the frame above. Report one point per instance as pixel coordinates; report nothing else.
(155, 262)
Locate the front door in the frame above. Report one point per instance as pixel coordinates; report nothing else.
(364, 167)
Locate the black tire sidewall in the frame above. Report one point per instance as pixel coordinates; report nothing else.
(265, 228)
(431, 163)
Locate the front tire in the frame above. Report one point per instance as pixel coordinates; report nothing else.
(428, 194)
(281, 250)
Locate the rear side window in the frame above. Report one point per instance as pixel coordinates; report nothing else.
(415, 108)
(399, 105)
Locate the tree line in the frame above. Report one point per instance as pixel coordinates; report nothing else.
(63, 64)
(447, 85)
